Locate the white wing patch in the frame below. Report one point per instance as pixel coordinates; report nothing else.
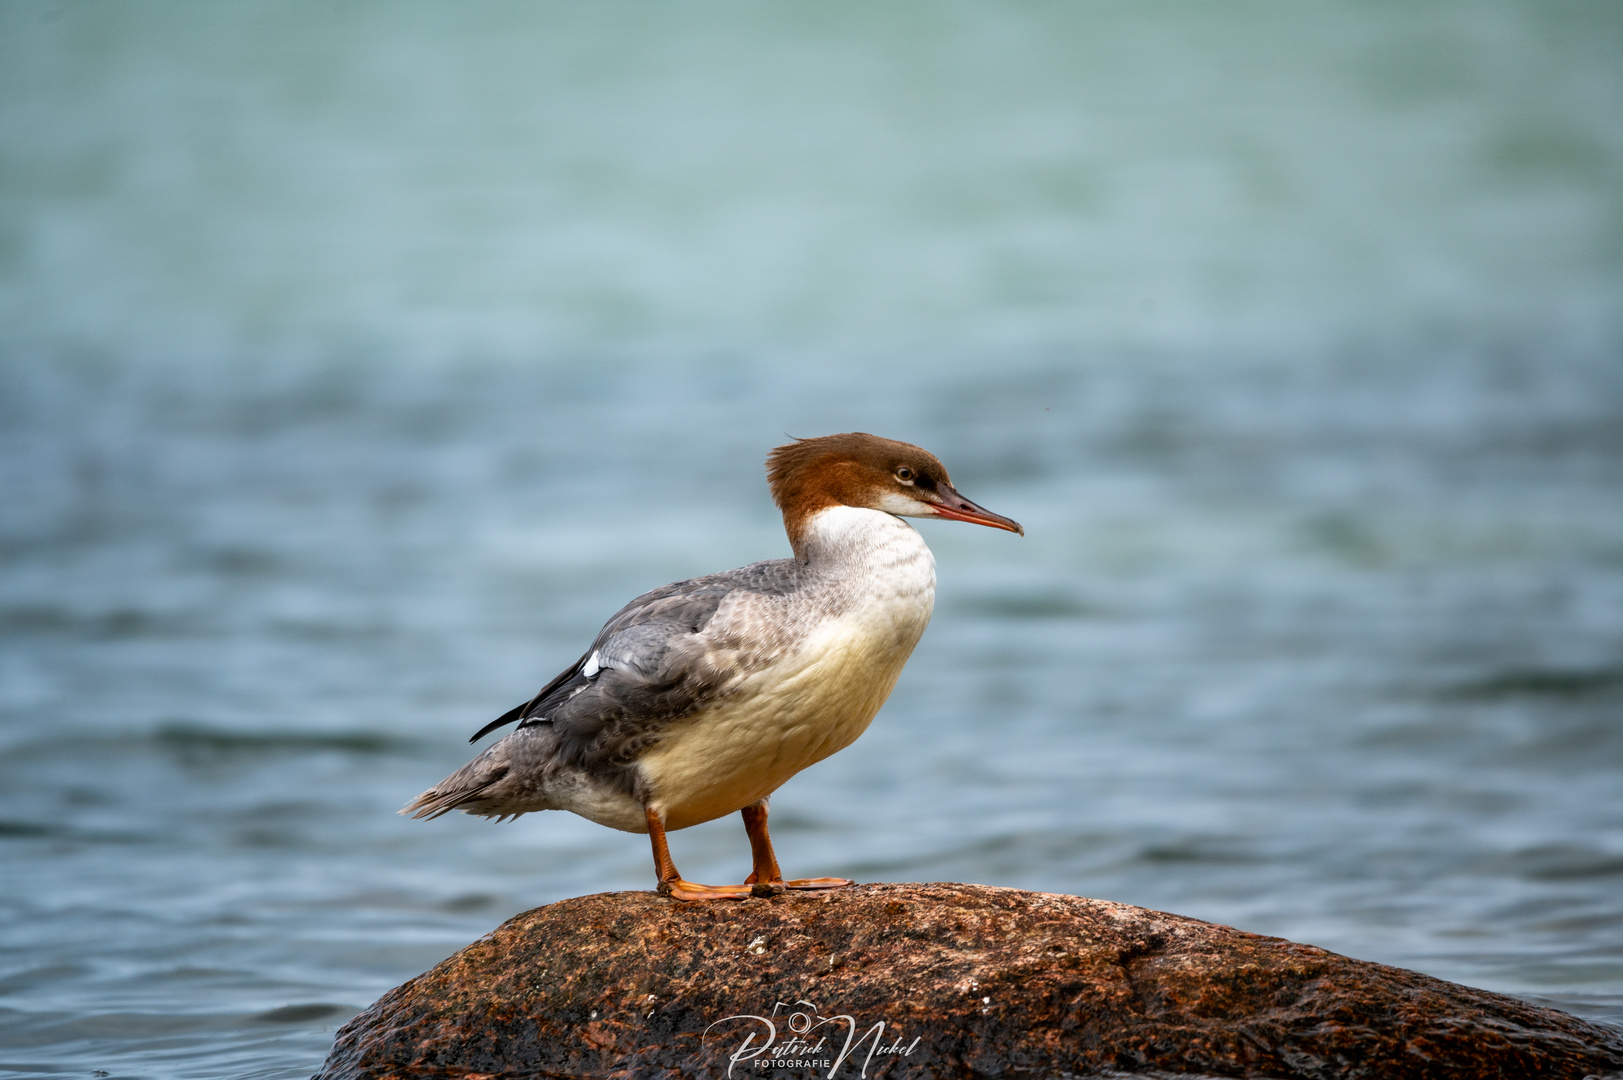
(592, 666)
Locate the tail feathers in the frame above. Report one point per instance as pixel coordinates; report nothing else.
(466, 788)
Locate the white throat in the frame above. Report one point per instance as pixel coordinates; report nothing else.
(855, 539)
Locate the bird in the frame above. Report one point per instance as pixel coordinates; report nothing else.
(701, 698)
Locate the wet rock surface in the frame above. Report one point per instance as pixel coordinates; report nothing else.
(935, 981)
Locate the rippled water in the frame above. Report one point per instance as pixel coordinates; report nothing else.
(355, 366)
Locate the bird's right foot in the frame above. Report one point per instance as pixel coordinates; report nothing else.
(677, 889)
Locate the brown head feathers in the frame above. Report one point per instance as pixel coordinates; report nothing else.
(858, 469)
(846, 468)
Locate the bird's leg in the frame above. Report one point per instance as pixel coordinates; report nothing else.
(670, 880)
(766, 874)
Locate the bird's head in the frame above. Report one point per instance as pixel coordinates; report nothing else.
(858, 469)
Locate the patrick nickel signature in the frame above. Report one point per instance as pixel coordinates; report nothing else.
(806, 1039)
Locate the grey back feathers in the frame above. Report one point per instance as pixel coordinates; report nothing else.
(655, 664)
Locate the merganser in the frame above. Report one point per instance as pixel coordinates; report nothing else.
(701, 698)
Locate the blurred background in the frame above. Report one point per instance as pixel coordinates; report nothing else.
(356, 361)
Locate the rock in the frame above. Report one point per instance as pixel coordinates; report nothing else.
(935, 981)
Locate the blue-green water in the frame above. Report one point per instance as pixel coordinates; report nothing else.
(356, 362)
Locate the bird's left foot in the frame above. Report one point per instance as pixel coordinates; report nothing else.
(766, 879)
(817, 883)
(772, 888)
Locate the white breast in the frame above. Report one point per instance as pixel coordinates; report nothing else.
(840, 646)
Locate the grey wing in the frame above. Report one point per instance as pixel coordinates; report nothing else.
(646, 668)
(537, 705)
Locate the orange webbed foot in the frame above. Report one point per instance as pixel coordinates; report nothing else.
(769, 888)
(692, 891)
(766, 879)
(817, 883)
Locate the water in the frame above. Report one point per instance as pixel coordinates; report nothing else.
(356, 363)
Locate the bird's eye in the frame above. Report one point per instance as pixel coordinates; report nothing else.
(905, 475)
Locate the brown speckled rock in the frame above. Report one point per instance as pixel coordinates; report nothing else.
(966, 981)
